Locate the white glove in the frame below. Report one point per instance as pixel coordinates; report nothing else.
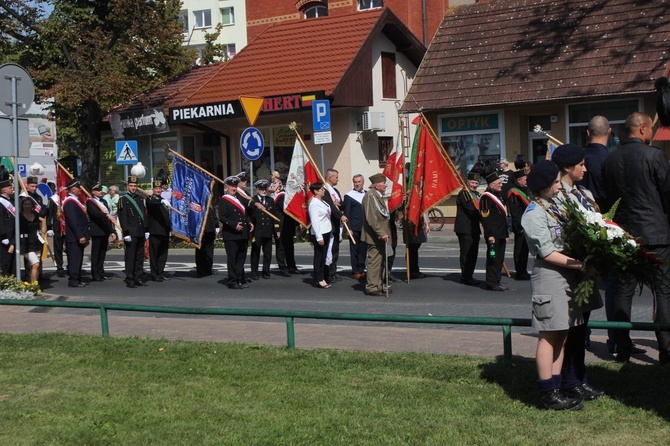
(127, 239)
(50, 233)
(5, 241)
(166, 202)
(146, 236)
(216, 230)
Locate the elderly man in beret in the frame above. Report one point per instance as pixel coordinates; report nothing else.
(376, 233)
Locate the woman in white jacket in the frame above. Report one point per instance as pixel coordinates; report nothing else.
(320, 232)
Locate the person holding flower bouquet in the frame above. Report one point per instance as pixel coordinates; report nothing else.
(553, 277)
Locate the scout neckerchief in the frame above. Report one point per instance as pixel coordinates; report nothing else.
(132, 200)
(496, 200)
(515, 191)
(10, 207)
(235, 202)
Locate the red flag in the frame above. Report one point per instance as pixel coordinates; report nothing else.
(432, 178)
(300, 175)
(393, 171)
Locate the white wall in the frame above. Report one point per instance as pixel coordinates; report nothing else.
(236, 33)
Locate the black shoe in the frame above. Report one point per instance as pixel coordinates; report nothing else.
(61, 273)
(583, 392)
(335, 278)
(131, 285)
(636, 351)
(76, 285)
(469, 282)
(254, 277)
(554, 400)
(243, 285)
(141, 283)
(285, 274)
(294, 271)
(158, 279)
(106, 278)
(375, 293)
(496, 288)
(524, 276)
(266, 276)
(393, 279)
(235, 286)
(622, 357)
(417, 276)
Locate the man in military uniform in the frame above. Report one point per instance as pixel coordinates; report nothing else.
(376, 234)
(467, 228)
(494, 221)
(517, 202)
(133, 218)
(77, 233)
(101, 228)
(7, 224)
(235, 232)
(204, 256)
(264, 227)
(159, 231)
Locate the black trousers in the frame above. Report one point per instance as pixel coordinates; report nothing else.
(623, 305)
(59, 242)
(469, 250)
(204, 256)
(158, 254)
(494, 264)
(358, 252)
(413, 259)
(288, 242)
(98, 254)
(236, 254)
(320, 252)
(75, 258)
(520, 254)
(133, 259)
(573, 371)
(332, 268)
(280, 252)
(261, 244)
(7, 261)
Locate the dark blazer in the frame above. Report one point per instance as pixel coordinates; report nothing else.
(594, 156)
(354, 212)
(494, 219)
(212, 221)
(7, 223)
(230, 215)
(467, 215)
(158, 216)
(133, 223)
(264, 225)
(516, 206)
(53, 212)
(99, 224)
(335, 212)
(278, 209)
(637, 173)
(76, 222)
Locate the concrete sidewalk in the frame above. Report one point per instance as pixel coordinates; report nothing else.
(349, 336)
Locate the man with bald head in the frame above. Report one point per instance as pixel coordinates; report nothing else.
(636, 173)
(595, 152)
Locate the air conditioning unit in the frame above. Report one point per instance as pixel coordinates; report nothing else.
(373, 121)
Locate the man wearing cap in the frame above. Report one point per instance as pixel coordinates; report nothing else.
(160, 226)
(264, 227)
(235, 232)
(354, 212)
(517, 202)
(101, 228)
(279, 234)
(133, 218)
(467, 228)
(7, 223)
(494, 221)
(77, 233)
(376, 234)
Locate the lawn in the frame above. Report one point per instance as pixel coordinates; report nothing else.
(84, 390)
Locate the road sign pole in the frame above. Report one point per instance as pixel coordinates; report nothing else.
(17, 209)
(323, 162)
(251, 179)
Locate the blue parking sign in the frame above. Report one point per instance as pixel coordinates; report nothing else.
(321, 115)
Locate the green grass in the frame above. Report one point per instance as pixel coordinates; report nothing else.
(84, 390)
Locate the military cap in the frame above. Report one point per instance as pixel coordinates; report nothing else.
(31, 180)
(73, 183)
(97, 186)
(6, 179)
(474, 176)
(158, 182)
(132, 179)
(242, 176)
(520, 174)
(262, 184)
(490, 178)
(232, 181)
(378, 178)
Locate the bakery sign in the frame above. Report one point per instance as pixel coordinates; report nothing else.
(204, 112)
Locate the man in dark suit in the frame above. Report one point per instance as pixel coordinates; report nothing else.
(638, 174)
(353, 209)
(159, 231)
(595, 153)
(101, 228)
(264, 227)
(133, 218)
(494, 221)
(204, 256)
(235, 232)
(337, 219)
(77, 233)
(55, 231)
(279, 234)
(7, 224)
(467, 228)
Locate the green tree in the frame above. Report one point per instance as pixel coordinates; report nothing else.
(213, 52)
(90, 55)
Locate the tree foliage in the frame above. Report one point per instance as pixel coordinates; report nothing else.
(92, 55)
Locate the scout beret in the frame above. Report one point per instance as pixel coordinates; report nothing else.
(542, 175)
(568, 155)
(378, 178)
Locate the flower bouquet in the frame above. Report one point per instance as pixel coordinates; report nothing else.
(605, 248)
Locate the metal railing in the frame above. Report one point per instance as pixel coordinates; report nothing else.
(505, 323)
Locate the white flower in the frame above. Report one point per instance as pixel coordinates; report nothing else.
(594, 218)
(632, 243)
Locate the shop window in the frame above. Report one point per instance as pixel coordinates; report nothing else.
(369, 4)
(385, 144)
(388, 76)
(227, 16)
(203, 18)
(616, 113)
(316, 11)
(472, 138)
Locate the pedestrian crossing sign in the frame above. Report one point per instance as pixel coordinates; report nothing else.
(126, 152)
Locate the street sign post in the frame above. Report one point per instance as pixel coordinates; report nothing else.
(126, 152)
(321, 126)
(252, 144)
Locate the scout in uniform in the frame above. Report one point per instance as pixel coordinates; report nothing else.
(133, 218)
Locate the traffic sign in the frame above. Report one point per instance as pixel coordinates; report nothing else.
(252, 107)
(25, 89)
(126, 152)
(252, 143)
(23, 172)
(321, 115)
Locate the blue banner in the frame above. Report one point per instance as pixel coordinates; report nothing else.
(191, 195)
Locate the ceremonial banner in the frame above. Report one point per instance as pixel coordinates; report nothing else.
(300, 175)
(394, 172)
(191, 195)
(431, 177)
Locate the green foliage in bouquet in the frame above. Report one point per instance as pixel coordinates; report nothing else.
(605, 248)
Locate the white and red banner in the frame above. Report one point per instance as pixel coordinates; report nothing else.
(395, 164)
(300, 175)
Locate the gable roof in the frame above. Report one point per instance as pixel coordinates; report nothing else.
(525, 51)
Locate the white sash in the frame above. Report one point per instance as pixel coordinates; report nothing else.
(235, 202)
(9, 206)
(496, 200)
(76, 200)
(333, 194)
(356, 195)
(102, 207)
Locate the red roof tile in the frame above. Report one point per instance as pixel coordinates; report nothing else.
(526, 51)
